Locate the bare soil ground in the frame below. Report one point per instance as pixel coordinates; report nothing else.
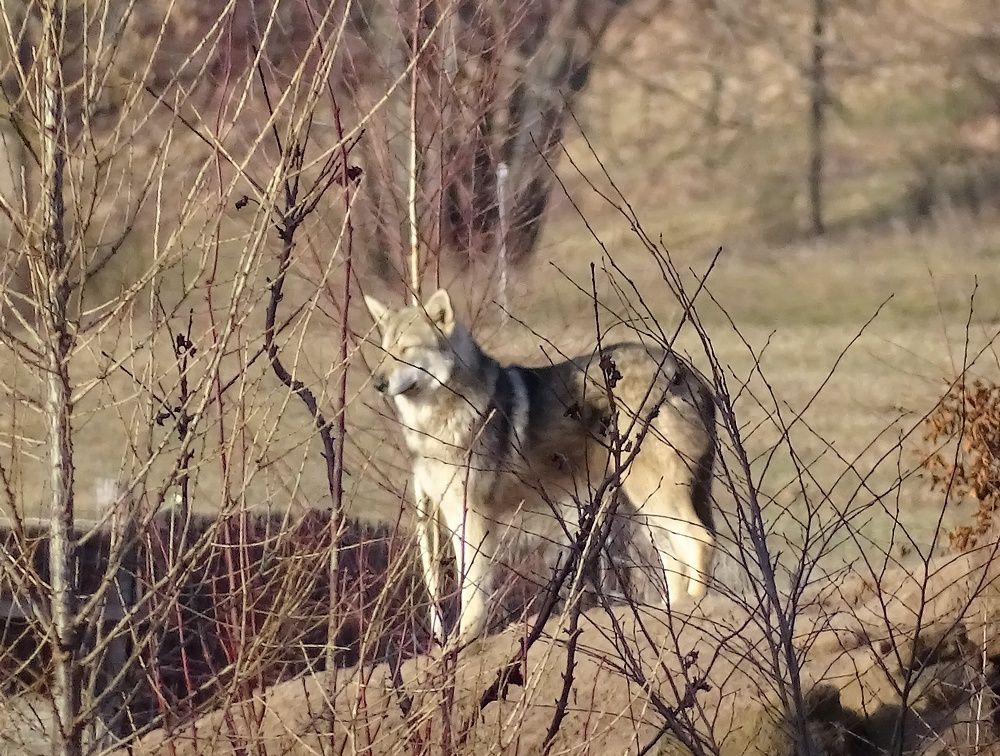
(847, 635)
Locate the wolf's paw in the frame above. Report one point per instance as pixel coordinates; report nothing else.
(696, 588)
(469, 646)
(438, 634)
(465, 641)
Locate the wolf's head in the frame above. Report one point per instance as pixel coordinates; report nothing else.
(422, 346)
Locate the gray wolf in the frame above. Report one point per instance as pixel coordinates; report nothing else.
(505, 455)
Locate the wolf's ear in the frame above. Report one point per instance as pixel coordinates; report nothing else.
(439, 310)
(377, 309)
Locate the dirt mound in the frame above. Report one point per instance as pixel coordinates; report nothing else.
(867, 678)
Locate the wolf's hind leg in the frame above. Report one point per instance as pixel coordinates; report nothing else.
(694, 544)
(672, 571)
(684, 544)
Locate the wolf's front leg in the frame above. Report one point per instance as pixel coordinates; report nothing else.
(475, 551)
(429, 541)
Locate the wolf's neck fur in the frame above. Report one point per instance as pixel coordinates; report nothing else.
(446, 420)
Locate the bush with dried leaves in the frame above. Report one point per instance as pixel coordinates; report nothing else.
(969, 416)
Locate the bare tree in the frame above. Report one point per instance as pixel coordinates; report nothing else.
(51, 272)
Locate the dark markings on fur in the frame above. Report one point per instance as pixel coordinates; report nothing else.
(553, 401)
(501, 409)
(701, 495)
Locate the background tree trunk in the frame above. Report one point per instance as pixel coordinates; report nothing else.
(818, 99)
(495, 83)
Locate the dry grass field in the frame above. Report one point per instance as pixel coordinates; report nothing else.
(796, 317)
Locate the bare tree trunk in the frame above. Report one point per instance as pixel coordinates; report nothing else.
(55, 286)
(544, 63)
(818, 99)
(507, 74)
